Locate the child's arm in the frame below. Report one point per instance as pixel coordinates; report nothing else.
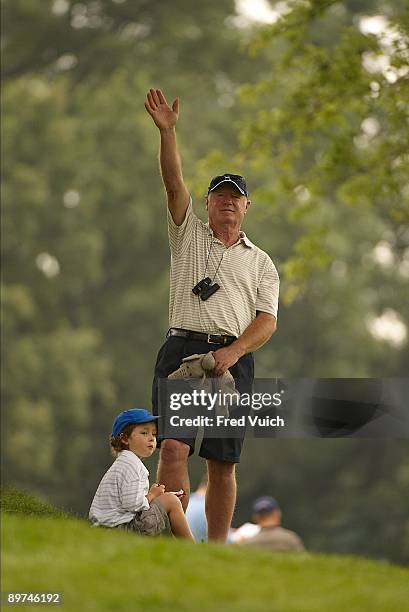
(132, 492)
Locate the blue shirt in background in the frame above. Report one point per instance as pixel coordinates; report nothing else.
(196, 516)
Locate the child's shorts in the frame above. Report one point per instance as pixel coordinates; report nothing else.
(153, 521)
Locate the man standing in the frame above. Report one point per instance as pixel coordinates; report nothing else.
(223, 298)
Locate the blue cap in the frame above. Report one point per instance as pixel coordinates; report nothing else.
(137, 416)
(264, 505)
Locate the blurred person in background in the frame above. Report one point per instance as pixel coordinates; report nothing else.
(266, 514)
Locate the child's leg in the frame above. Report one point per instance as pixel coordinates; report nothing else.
(177, 518)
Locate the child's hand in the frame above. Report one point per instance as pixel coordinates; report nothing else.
(155, 491)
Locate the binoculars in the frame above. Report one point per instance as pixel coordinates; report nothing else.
(205, 288)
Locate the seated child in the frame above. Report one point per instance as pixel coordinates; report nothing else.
(123, 498)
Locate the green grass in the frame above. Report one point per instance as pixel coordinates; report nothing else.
(20, 502)
(102, 569)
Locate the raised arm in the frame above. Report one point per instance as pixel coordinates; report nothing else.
(165, 118)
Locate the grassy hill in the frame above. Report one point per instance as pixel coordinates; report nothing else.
(44, 550)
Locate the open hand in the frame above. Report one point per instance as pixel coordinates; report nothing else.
(164, 116)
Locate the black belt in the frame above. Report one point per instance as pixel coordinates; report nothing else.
(201, 336)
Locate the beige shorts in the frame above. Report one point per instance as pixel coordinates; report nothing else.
(153, 521)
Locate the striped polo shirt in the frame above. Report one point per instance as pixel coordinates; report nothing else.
(121, 493)
(247, 277)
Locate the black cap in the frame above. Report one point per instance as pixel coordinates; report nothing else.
(237, 180)
(265, 505)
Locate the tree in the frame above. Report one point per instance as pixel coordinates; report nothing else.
(84, 298)
(324, 135)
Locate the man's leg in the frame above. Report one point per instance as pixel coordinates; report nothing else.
(173, 454)
(172, 468)
(220, 498)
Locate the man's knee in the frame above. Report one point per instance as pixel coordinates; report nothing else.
(173, 450)
(220, 470)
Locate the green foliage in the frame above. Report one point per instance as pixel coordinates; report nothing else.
(308, 123)
(85, 288)
(95, 568)
(323, 137)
